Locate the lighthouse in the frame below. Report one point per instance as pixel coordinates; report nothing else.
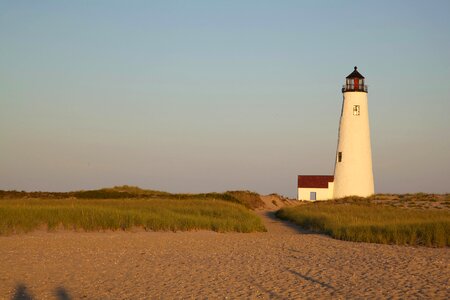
(353, 174)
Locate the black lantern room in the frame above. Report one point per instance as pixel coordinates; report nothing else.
(354, 82)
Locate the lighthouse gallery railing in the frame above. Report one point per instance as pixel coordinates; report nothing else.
(352, 88)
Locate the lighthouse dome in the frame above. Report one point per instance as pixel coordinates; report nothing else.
(355, 74)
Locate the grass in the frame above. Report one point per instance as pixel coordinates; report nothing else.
(416, 201)
(361, 220)
(20, 215)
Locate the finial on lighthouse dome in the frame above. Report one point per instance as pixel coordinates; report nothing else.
(354, 82)
(355, 74)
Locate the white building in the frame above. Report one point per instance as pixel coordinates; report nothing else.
(353, 174)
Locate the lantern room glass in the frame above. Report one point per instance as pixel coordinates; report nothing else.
(354, 84)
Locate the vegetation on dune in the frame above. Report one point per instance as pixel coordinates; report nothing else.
(409, 219)
(417, 201)
(124, 207)
(248, 199)
(24, 215)
(362, 220)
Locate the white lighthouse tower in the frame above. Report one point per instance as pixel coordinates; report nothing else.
(353, 174)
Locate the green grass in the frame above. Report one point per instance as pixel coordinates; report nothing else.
(373, 223)
(20, 215)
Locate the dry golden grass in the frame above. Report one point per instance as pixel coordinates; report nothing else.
(373, 220)
(24, 215)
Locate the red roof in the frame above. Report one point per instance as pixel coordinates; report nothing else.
(314, 181)
(355, 74)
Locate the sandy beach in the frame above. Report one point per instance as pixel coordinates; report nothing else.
(282, 263)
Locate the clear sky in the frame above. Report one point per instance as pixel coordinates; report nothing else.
(198, 96)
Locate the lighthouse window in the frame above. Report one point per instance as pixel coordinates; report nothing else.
(339, 156)
(356, 110)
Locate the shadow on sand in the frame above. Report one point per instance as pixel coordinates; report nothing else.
(271, 215)
(270, 293)
(310, 279)
(23, 293)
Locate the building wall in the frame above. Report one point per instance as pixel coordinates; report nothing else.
(321, 193)
(353, 175)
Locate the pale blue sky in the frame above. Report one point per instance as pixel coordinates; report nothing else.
(198, 96)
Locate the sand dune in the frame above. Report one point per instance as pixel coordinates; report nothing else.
(282, 263)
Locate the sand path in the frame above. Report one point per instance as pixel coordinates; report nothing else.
(282, 263)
